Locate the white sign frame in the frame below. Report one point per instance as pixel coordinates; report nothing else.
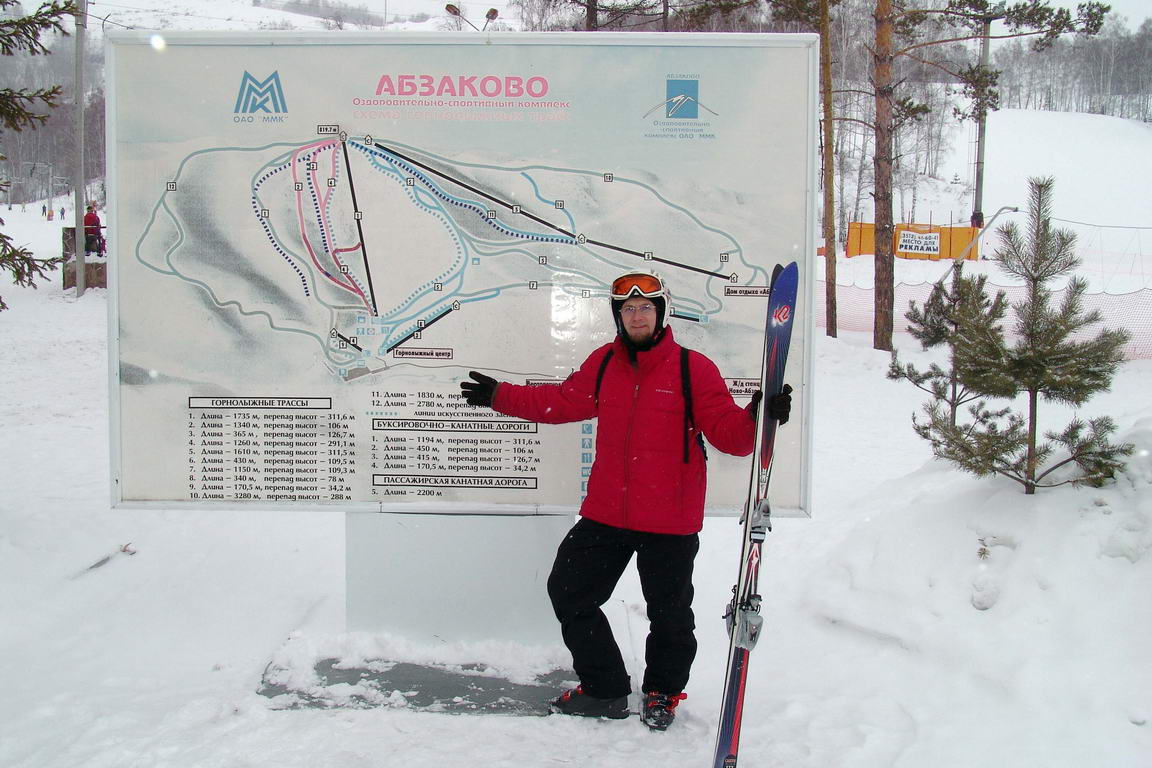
(136, 99)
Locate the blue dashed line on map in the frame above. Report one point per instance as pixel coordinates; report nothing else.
(275, 245)
(466, 204)
(460, 248)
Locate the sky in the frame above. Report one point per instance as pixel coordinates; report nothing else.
(1136, 11)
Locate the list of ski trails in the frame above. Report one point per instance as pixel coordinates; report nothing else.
(305, 449)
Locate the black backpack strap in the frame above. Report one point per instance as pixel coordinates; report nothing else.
(689, 418)
(600, 374)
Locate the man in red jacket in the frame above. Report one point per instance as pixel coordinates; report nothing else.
(92, 230)
(645, 494)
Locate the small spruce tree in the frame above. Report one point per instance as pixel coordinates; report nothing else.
(950, 312)
(22, 34)
(1052, 358)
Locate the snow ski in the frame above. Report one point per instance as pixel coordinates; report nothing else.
(743, 613)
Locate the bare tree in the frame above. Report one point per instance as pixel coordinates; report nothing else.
(913, 36)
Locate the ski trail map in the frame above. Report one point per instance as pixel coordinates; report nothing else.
(305, 266)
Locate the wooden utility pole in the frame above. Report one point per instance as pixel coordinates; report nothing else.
(829, 181)
(882, 57)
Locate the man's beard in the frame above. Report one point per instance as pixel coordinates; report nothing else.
(642, 345)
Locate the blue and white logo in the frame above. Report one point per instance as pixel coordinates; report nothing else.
(260, 95)
(682, 100)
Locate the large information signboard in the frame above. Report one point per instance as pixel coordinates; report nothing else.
(316, 237)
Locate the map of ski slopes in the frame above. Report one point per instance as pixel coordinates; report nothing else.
(373, 252)
(306, 267)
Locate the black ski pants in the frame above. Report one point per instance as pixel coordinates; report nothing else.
(588, 566)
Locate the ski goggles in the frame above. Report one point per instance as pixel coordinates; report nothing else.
(648, 286)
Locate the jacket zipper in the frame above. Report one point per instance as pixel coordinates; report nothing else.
(628, 441)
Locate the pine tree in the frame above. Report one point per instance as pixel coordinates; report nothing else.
(22, 33)
(1052, 358)
(961, 308)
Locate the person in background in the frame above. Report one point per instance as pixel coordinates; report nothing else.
(92, 230)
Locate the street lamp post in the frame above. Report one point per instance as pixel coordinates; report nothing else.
(490, 16)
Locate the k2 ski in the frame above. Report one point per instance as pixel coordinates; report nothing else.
(743, 614)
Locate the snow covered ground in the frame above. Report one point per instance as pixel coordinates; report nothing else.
(889, 641)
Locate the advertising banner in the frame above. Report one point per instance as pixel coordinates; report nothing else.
(927, 243)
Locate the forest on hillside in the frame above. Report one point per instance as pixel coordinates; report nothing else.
(1109, 73)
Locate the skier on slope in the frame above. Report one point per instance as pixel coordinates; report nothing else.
(645, 494)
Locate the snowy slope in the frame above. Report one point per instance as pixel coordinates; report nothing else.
(876, 653)
(1101, 165)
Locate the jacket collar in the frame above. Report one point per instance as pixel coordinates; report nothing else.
(650, 358)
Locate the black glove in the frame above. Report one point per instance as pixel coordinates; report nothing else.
(480, 390)
(754, 406)
(780, 405)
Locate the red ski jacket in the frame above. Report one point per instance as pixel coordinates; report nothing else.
(639, 479)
